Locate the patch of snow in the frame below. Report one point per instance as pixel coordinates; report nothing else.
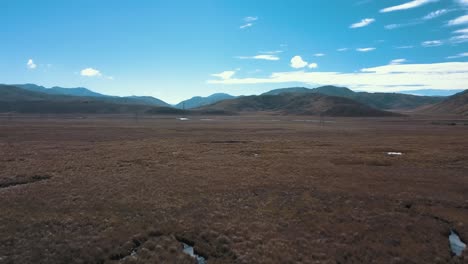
(456, 244)
(189, 251)
(394, 153)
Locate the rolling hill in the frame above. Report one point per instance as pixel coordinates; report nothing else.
(454, 105)
(382, 101)
(199, 101)
(298, 104)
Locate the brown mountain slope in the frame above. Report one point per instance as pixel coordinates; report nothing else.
(294, 104)
(454, 105)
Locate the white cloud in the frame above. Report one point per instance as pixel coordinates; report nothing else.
(313, 66)
(342, 49)
(397, 61)
(365, 49)
(435, 14)
(225, 75)
(297, 62)
(90, 72)
(463, 2)
(246, 25)
(387, 78)
(364, 22)
(319, 54)
(269, 57)
(31, 65)
(461, 55)
(432, 43)
(408, 5)
(459, 21)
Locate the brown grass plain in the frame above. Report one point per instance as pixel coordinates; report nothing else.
(242, 189)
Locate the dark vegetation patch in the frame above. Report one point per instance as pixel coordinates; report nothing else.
(369, 161)
(230, 142)
(449, 123)
(21, 180)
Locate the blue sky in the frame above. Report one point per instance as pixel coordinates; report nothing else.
(176, 49)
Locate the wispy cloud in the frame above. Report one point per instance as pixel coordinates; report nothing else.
(432, 43)
(393, 26)
(397, 61)
(365, 49)
(363, 23)
(408, 5)
(342, 49)
(90, 72)
(459, 21)
(412, 23)
(462, 36)
(459, 39)
(271, 52)
(400, 77)
(435, 14)
(269, 57)
(313, 65)
(225, 75)
(250, 19)
(246, 25)
(319, 54)
(461, 31)
(31, 65)
(460, 55)
(248, 22)
(405, 47)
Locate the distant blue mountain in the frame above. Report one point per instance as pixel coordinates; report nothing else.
(432, 92)
(199, 101)
(84, 92)
(79, 91)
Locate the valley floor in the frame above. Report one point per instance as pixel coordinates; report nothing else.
(245, 189)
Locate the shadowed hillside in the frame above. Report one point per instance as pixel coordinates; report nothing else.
(454, 105)
(304, 104)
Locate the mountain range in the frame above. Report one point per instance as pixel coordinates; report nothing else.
(325, 100)
(298, 104)
(377, 100)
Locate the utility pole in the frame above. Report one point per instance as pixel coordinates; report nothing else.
(322, 119)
